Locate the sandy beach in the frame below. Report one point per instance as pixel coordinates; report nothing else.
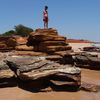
(76, 46)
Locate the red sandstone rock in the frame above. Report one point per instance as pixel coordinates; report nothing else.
(7, 43)
(24, 48)
(21, 40)
(29, 53)
(45, 40)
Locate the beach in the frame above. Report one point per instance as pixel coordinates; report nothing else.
(88, 76)
(50, 50)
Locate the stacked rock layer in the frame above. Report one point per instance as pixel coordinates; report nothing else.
(48, 40)
(7, 43)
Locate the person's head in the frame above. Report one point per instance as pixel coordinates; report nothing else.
(46, 7)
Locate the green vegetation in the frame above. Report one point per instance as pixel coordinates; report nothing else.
(19, 30)
(9, 33)
(22, 30)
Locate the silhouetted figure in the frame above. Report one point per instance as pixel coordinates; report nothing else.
(45, 17)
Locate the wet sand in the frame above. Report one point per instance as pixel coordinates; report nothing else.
(88, 76)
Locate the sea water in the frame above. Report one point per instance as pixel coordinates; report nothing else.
(96, 44)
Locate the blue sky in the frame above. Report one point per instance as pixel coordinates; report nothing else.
(79, 19)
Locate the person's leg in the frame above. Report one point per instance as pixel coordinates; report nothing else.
(46, 24)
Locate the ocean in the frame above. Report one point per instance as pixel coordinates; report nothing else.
(96, 44)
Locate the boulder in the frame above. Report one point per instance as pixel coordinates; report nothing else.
(92, 49)
(7, 77)
(87, 61)
(64, 81)
(89, 87)
(40, 69)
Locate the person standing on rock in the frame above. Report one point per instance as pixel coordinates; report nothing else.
(45, 17)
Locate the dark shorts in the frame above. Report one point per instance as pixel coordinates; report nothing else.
(45, 19)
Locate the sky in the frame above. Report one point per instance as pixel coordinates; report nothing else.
(78, 19)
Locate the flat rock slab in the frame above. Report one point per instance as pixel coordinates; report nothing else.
(33, 75)
(87, 60)
(39, 68)
(39, 73)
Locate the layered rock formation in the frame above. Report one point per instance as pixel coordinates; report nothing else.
(87, 61)
(41, 42)
(92, 49)
(17, 43)
(38, 70)
(7, 43)
(48, 40)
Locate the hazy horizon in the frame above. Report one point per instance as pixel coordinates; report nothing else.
(78, 19)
